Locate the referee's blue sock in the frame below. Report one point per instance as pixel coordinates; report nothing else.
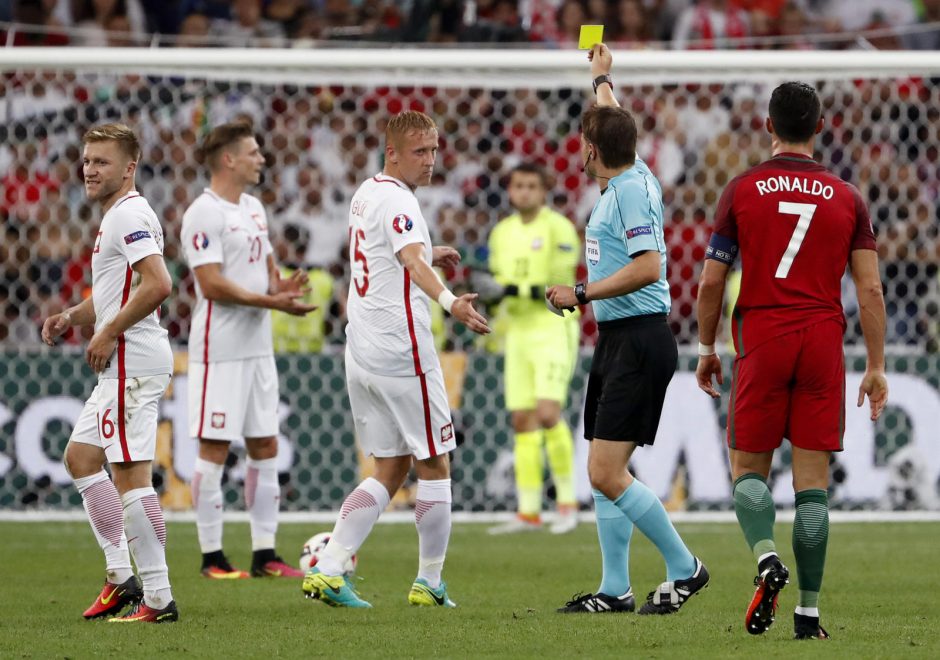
(642, 506)
(613, 531)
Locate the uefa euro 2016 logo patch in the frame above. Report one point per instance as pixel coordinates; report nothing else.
(200, 240)
(402, 223)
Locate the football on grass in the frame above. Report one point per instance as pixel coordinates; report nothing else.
(313, 550)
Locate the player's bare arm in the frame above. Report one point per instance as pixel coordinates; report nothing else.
(218, 288)
(871, 305)
(601, 62)
(81, 314)
(445, 256)
(711, 293)
(155, 285)
(421, 273)
(641, 272)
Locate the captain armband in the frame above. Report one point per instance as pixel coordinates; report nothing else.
(721, 248)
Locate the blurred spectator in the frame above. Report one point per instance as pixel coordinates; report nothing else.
(39, 13)
(710, 24)
(194, 31)
(793, 27)
(248, 26)
(571, 15)
(859, 14)
(95, 17)
(631, 27)
(927, 39)
(496, 21)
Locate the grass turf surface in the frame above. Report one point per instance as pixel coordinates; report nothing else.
(879, 598)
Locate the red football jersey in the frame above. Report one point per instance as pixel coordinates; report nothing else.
(794, 224)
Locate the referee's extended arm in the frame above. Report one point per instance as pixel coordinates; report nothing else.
(642, 271)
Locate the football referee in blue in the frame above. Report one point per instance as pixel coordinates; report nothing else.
(635, 356)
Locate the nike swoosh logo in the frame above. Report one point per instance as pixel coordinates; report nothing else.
(437, 599)
(274, 573)
(133, 538)
(105, 601)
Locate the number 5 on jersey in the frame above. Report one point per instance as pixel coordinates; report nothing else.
(806, 212)
(361, 289)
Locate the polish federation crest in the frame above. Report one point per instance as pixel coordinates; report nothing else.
(218, 420)
(447, 433)
(402, 223)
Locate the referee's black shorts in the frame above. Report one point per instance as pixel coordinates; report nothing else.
(633, 363)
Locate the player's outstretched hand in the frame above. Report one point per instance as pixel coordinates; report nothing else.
(100, 349)
(601, 60)
(289, 302)
(54, 327)
(708, 366)
(295, 283)
(875, 386)
(444, 256)
(464, 312)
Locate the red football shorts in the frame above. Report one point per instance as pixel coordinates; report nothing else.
(791, 386)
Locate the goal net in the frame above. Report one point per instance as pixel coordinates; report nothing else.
(321, 114)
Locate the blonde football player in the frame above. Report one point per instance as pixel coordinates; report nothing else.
(396, 389)
(131, 354)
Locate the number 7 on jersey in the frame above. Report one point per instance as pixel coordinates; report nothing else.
(806, 212)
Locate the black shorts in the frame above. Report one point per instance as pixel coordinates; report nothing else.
(633, 363)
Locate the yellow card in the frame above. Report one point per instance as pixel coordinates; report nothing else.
(591, 35)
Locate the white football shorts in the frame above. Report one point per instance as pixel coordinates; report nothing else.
(233, 399)
(122, 420)
(399, 415)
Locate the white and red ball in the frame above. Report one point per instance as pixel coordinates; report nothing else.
(313, 551)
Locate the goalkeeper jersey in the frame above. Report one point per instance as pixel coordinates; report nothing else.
(536, 254)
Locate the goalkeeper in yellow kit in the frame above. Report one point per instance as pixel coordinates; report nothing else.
(529, 250)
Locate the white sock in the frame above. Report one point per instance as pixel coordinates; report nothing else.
(808, 611)
(146, 538)
(106, 514)
(263, 499)
(765, 556)
(207, 500)
(361, 509)
(432, 518)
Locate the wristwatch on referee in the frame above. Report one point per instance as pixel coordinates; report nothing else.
(605, 78)
(580, 293)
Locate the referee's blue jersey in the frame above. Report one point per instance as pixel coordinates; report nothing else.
(627, 219)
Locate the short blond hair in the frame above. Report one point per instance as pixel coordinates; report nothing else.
(120, 133)
(405, 122)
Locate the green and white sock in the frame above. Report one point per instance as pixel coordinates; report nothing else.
(810, 539)
(756, 514)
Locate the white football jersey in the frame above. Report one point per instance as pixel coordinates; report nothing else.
(129, 232)
(389, 330)
(216, 231)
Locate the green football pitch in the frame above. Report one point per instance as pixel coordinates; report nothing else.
(880, 599)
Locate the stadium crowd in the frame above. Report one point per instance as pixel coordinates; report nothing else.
(881, 135)
(630, 23)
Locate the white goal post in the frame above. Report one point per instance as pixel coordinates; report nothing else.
(542, 69)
